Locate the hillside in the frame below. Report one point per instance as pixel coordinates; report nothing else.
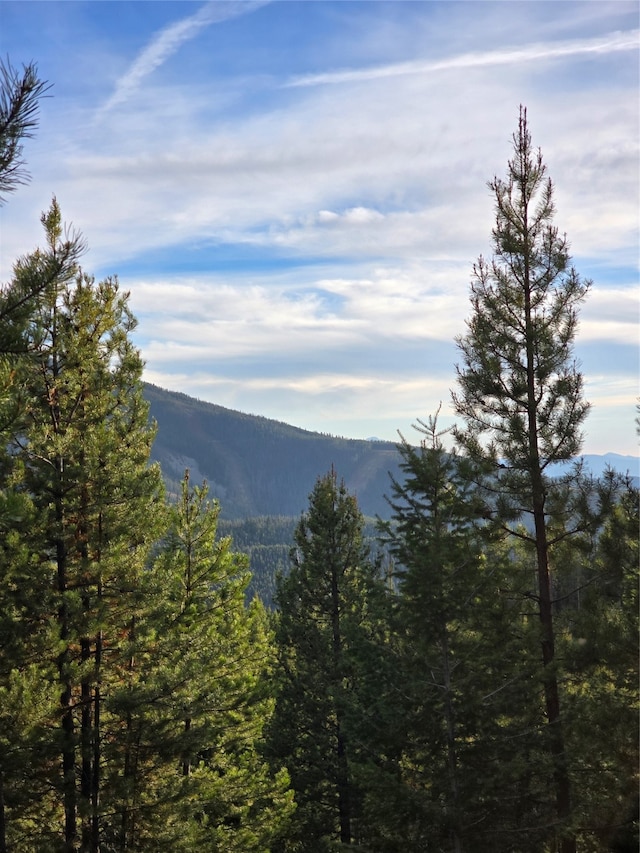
(261, 467)
(262, 472)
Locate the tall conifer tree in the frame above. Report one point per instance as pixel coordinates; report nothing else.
(196, 700)
(82, 441)
(521, 394)
(459, 643)
(324, 625)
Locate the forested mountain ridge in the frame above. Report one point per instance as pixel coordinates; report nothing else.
(260, 467)
(255, 466)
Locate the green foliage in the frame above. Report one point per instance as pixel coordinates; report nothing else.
(521, 400)
(133, 688)
(198, 698)
(600, 651)
(266, 541)
(77, 464)
(20, 94)
(326, 638)
(518, 374)
(467, 732)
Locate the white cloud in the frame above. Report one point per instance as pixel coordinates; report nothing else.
(611, 314)
(403, 176)
(372, 194)
(169, 40)
(608, 391)
(611, 43)
(328, 217)
(312, 319)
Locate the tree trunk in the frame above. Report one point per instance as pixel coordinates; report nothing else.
(451, 745)
(561, 778)
(3, 818)
(344, 805)
(68, 769)
(97, 709)
(186, 761)
(66, 707)
(95, 777)
(86, 746)
(130, 770)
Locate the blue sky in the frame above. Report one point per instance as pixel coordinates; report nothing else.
(294, 193)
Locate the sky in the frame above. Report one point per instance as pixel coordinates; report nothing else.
(294, 193)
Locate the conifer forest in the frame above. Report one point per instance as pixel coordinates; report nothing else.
(465, 680)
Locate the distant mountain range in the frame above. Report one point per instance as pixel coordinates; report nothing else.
(261, 467)
(597, 465)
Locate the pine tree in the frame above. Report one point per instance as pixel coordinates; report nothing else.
(19, 98)
(599, 647)
(460, 637)
(196, 700)
(25, 593)
(325, 640)
(27, 705)
(82, 441)
(521, 395)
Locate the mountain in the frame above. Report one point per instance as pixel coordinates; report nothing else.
(616, 461)
(261, 467)
(262, 472)
(598, 465)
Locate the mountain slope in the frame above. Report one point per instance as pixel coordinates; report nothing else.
(256, 466)
(260, 467)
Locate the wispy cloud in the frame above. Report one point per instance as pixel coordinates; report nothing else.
(170, 39)
(611, 43)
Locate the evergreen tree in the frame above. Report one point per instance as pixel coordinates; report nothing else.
(326, 649)
(27, 705)
(460, 638)
(34, 275)
(521, 396)
(81, 445)
(599, 647)
(19, 98)
(196, 700)
(25, 597)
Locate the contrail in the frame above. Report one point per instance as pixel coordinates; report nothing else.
(611, 43)
(167, 41)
